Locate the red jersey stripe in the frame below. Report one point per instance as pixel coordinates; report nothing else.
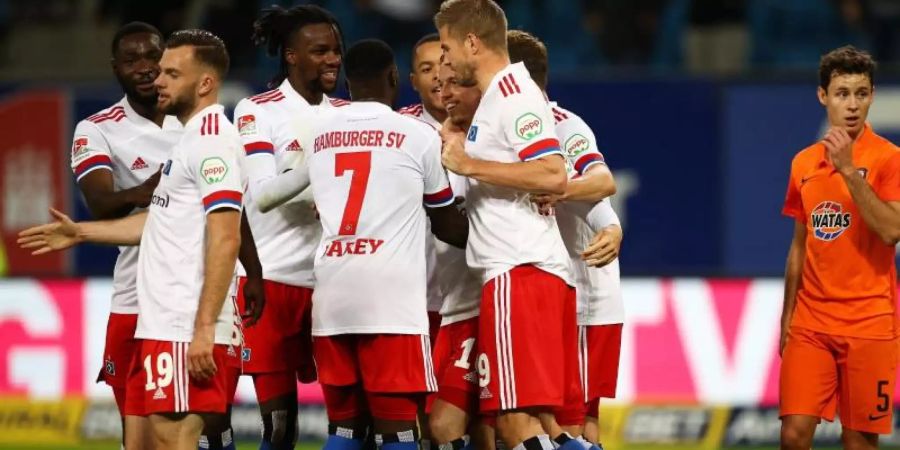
(539, 148)
(222, 198)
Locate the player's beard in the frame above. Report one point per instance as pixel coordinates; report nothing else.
(465, 73)
(178, 105)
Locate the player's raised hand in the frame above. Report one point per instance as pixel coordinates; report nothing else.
(144, 191)
(604, 248)
(254, 301)
(839, 146)
(59, 235)
(201, 364)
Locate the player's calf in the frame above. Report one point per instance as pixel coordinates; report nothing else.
(217, 433)
(521, 430)
(277, 394)
(858, 440)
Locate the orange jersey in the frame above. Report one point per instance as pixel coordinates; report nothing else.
(849, 280)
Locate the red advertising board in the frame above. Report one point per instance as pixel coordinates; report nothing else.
(33, 175)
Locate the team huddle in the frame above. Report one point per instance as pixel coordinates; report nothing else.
(447, 272)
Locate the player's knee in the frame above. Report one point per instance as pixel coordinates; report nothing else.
(795, 437)
(445, 428)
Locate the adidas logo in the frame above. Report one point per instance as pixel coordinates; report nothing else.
(294, 146)
(485, 393)
(159, 394)
(231, 351)
(139, 164)
(471, 377)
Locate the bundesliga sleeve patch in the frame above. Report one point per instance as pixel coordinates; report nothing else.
(79, 147)
(246, 124)
(529, 126)
(213, 170)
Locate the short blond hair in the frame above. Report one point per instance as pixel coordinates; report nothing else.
(483, 18)
(526, 48)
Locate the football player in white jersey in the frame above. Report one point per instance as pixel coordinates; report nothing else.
(455, 407)
(424, 80)
(600, 308)
(511, 151)
(423, 77)
(117, 155)
(189, 244)
(277, 352)
(368, 168)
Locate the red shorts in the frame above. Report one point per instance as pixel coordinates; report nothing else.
(821, 373)
(434, 326)
(523, 312)
(387, 363)
(161, 383)
(454, 365)
(572, 411)
(281, 340)
(121, 348)
(598, 352)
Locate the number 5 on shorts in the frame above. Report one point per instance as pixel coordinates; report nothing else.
(883, 397)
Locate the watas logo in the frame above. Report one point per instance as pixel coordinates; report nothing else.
(829, 220)
(528, 126)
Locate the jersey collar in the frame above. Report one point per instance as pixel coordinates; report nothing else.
(195, 121)
(169, 122)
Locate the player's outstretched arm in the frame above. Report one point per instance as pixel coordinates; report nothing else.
(65, 233)
(276, 191)
(254, 293)
(449, 225)
(792, 278)
(223, 237)
(105, 202)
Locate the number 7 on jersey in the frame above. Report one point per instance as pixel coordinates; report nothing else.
(361, 164)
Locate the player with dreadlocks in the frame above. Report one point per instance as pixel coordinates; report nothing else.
(277, 353)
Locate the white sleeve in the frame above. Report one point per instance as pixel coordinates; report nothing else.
(602, 215)
(256, 137)
(527, 124)
(216, 170)
(437, 186)
(579, 144)
(90, 150)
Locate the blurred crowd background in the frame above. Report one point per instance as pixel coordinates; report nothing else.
(56, 38)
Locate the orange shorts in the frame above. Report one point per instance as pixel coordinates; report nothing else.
(822, 372)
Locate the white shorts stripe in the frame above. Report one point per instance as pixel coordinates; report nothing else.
(498, 336)
(430, 379)
(583, 360)
(510, 361)
(176, 370)
(186, 377)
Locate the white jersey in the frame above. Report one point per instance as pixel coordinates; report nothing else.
(435, 294)
(460, 286)
(513, 123)
(287, 237)
(370, 168)
(419, 112)
(203, 174)
(133, 148)
(598, 290)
